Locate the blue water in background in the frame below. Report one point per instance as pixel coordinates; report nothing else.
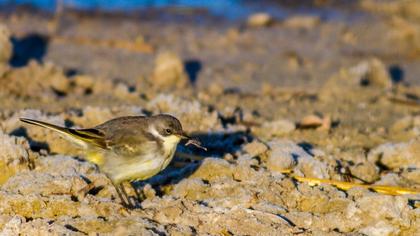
(231, 9)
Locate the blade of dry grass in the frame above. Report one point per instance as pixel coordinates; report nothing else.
(391, 190)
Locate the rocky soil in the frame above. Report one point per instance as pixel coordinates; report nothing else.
(273, 100)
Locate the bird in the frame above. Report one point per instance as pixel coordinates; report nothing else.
(127, 148)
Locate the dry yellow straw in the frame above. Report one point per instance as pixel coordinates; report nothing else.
(391, 190)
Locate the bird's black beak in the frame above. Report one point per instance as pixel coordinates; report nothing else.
(191, 141)
(183, 136)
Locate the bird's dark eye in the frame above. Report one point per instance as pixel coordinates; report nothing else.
(168, 131)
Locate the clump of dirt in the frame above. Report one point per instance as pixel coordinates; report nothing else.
(15, 156)
(38, 87)
(169, 72)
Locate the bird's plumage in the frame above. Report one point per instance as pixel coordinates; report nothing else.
(126, 148)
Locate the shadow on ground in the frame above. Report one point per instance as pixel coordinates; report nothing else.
(193, 68)
(34, 145)
(27, 48)
(218, 145)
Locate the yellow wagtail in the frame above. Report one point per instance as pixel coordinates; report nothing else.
(127, 148)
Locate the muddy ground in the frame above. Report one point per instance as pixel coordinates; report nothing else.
(333, 96)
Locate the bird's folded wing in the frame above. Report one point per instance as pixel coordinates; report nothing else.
(90, 136)
(130, 144)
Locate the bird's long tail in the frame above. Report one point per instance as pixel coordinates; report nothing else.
(82, 137)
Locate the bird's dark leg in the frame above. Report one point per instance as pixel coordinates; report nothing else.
(139, 193)
(129, 204)
(122, 195)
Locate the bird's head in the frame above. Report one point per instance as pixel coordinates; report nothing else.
(167, 128)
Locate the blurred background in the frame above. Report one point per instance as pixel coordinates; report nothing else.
(285, 43)
(108, 53)
(327, 89)
(317, 36)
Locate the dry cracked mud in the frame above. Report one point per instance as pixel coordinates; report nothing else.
(306, 96)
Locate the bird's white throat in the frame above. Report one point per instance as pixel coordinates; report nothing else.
(169, 142)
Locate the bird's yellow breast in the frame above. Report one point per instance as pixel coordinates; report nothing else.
(169, 144)
(95, 157)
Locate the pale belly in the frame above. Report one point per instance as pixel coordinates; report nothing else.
(141, 168)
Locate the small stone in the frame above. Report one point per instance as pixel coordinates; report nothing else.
(311, 121)
(367, 171)
(259, 20)
(397, 155)
(169, 71)
(315, 121)
(255, 148)
(280, 162)
(228, 157)
(372, 72)
(378, 74)
(121, 91)
(285, 155)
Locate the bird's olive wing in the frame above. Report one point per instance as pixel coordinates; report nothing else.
(132, 143)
